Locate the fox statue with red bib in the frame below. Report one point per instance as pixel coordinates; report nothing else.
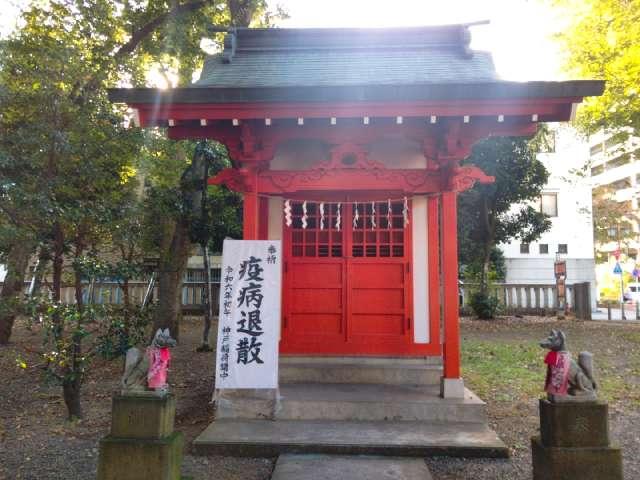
(567, 380)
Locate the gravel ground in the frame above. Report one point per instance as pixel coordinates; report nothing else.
(37, 443)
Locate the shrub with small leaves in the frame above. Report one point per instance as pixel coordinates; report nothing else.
(484, 305)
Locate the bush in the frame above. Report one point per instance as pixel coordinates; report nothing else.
(485, 306)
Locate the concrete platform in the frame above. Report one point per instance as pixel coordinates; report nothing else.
(370, 402)
(264, 438)
(332, 467)
(359, 370)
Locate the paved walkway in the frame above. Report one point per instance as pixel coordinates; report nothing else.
(354, 467)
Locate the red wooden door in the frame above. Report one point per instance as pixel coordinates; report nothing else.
(347, 290)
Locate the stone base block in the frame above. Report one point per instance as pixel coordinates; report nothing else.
(574, 424)
(247, 403)
(142, 416)
(451, 387)
(136, 459)
(564, 463)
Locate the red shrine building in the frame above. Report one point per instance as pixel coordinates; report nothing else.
(347, 145)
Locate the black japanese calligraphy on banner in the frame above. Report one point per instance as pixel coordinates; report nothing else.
(249, 320)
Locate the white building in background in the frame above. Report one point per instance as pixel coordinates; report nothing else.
(615, 166)
(3, 273)
(566, 198)
(615, 171)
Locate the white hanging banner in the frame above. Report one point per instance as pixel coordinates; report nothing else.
(249, 319)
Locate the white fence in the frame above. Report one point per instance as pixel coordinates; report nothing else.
(530, 299)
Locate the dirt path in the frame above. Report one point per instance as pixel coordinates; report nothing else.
(37, 443)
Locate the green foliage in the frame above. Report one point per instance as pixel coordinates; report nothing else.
(484, 305)
(601, 42)
(220, 215)
(71, 170)
(472, 271)
(496, 213)
(612, 220)
(101, 329)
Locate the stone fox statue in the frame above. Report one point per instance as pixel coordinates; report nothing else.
(567, 380)
(148, 372)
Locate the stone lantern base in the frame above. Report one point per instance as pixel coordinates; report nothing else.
(142, 443)
(574, 443)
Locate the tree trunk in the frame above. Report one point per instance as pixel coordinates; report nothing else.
(17, 262)
(44, 257)
(207, 301)
(486, 247)
(486, 265)
(71, 394)
(72, 383)
(173, 262)
(58, 259)
(126, 301)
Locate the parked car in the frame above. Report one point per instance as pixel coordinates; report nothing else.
(632, 292)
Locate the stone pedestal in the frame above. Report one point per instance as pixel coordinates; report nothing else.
(142, 443)
(574, 443)
(247, 403)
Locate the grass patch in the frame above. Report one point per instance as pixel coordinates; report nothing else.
(508, 371)
(503, 371)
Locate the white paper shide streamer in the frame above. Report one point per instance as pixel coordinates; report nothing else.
(304, 215)
(325, 219)
(405, 212)
(356, 215)
(287, 213)
(373, 215)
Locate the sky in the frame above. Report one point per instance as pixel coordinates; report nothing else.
(518, 35)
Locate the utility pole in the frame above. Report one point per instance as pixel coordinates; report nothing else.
(618, 269)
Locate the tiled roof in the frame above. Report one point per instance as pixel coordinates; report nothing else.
(346, 57)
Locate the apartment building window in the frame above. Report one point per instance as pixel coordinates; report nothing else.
(544, 248)
(596, 149)
(563, 248)
(621, 184)
(549, 204)
(524, 248)
(615, 140)
(619, 161)
(597, 170)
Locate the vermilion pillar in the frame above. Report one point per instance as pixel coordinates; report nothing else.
(251, 210)
(451, 385)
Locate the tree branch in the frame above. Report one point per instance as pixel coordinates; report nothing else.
(139, 35)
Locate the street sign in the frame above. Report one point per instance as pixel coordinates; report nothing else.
(616, 254)
(617, 269)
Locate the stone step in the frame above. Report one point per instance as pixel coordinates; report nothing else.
(265, 438)
(390, 371)
(370, 402)
(353, 467)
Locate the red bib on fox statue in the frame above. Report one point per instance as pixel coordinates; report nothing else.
(558, 364)
(159, 363)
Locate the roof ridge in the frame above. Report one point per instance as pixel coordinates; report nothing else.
(456, 36)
